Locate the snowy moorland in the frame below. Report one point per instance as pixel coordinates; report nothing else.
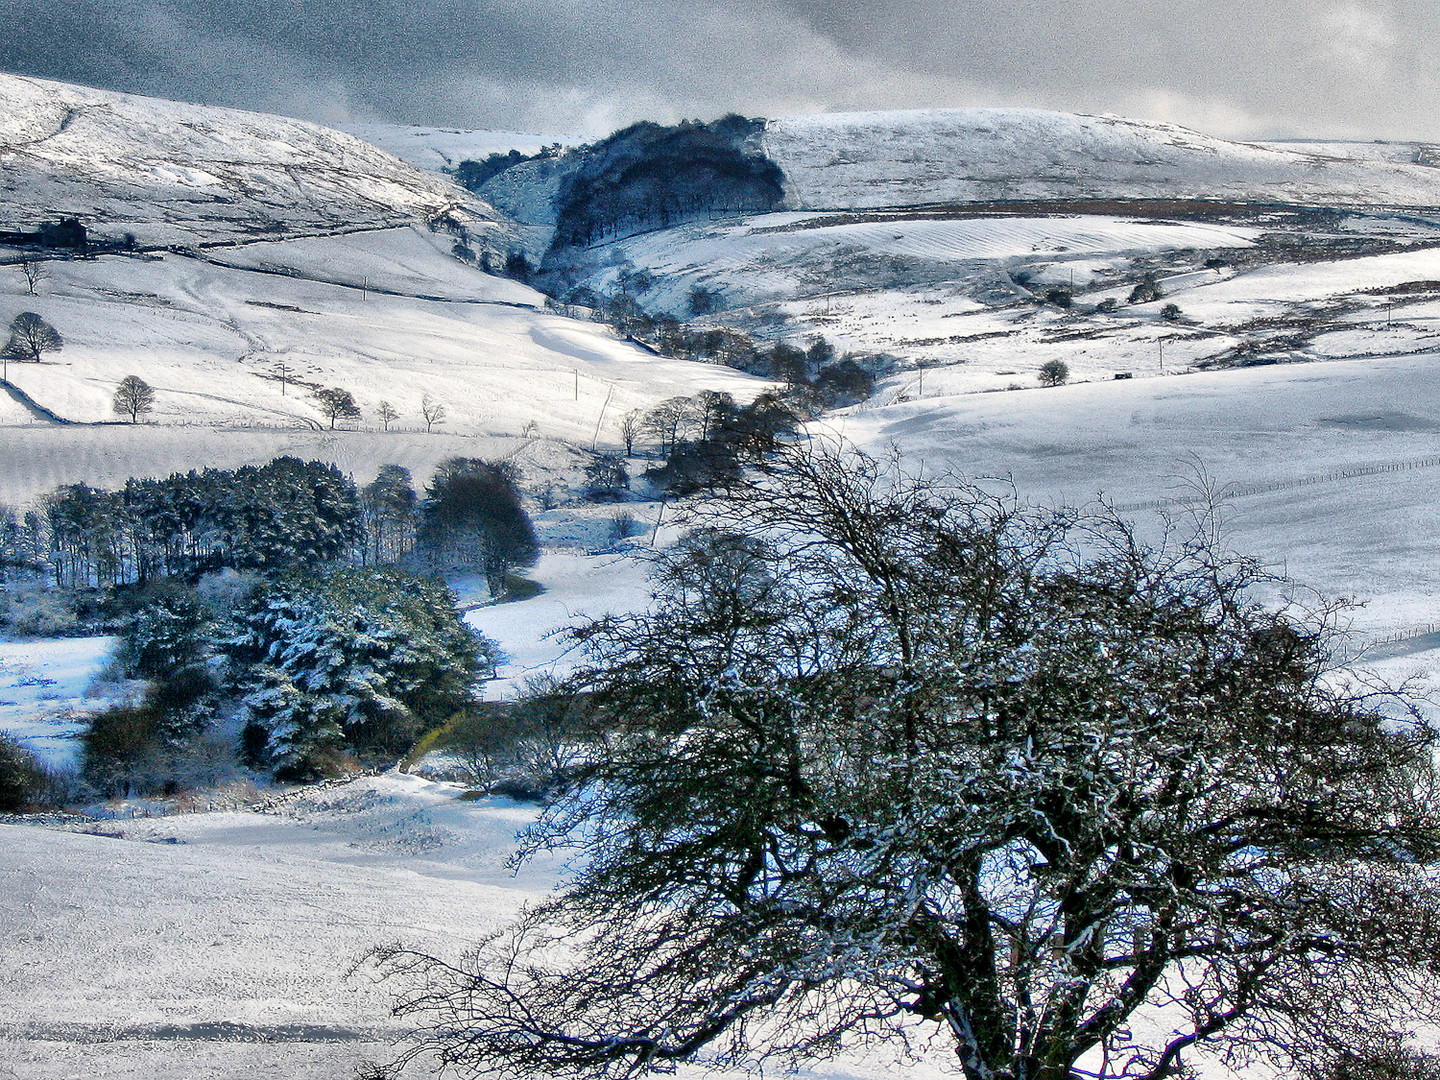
(216, 938)
(982, 302)
(235, 345)
(171, 173)
(440, 149)
(890, 159)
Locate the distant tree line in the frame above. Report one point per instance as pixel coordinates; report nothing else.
(473, 175)
(701, 442)
(274, 518)
(814, 373)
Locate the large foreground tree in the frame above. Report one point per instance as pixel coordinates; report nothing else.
(892, 759)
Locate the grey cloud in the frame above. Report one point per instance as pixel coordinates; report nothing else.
(1238, 68)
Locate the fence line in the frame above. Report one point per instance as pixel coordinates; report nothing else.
(1407, 635)
(1233, 492)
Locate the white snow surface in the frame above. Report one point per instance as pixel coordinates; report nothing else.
(48, 692)
(1325, 469)
(207, 946)
(174, 946)
(173, 173)
(914, 158)
(784, 256)
(386, 315)
(441, 149)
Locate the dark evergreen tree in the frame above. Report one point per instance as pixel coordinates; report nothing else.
(290, 513)
(351, 661)
(22, 779)
(473, 517)
(391, 511)
(842, 383)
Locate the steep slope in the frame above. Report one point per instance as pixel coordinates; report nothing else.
(173, 173)
(900, 159)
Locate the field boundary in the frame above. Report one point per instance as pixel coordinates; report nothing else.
(1234, 491)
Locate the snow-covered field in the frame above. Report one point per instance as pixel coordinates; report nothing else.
(217, 945)
(778, 257)
(964, 299)
(234, 351)
(47, 691)
(1327, 468)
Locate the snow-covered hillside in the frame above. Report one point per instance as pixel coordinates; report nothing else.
(234, 344)
(779, 257)
(172, 173)
(214, 946)
(438, 149)
(892, 159)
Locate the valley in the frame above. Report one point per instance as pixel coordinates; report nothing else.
(1253, 326)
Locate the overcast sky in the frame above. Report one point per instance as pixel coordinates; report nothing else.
(1236, 68)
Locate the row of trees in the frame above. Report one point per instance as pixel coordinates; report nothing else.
(273, 518)
(336, 403)
(330, 633)
(815, 375)
(702, 440)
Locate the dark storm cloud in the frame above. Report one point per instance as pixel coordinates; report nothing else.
(1346, 67)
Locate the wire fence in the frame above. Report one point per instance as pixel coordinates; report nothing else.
(1232, 491)
(1428, 630)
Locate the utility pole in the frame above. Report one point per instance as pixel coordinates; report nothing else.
(1162, 356)
(577, 384)
(282, 378)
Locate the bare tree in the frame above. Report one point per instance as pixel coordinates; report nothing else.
(709, 409)
(336, 404)
(630, 426)
(31, 337)
(892, 758)
(34, 271)
(386, 414)
(432, 411)
(666, 420)
(132, 397)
